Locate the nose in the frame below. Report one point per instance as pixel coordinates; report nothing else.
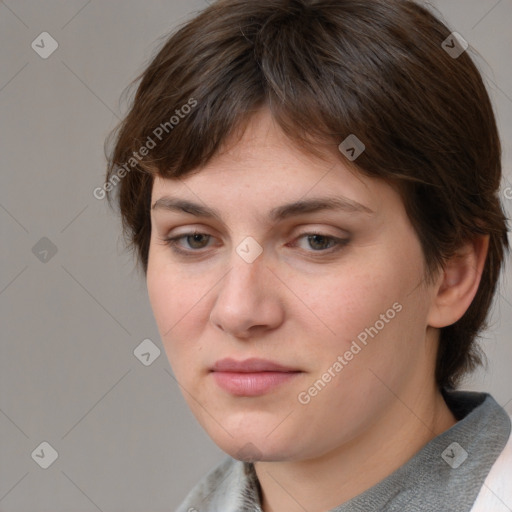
(248, 301)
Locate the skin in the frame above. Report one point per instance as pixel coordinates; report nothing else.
(301, 304)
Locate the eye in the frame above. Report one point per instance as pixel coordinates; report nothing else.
(195, 239)
(319, 242)
(323, 243)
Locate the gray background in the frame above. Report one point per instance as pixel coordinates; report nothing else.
(70, 321)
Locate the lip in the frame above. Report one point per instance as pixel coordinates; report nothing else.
(251, 377)
(252, 365)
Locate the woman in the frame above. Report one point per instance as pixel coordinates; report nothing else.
(311, 190)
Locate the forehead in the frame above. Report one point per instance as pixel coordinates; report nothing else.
(265, 167)
(259, 137)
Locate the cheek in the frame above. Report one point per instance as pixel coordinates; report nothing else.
(374, 308)
(180, 308)
(170, 293)
(168, 299)
(163, 300)
(345, 303)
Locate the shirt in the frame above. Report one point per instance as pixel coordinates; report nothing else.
(467, 468)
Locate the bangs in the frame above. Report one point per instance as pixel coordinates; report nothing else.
(200, 92)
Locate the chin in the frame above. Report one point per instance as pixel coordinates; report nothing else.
(254, 448)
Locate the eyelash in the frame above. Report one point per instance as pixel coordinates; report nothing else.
(172, 242)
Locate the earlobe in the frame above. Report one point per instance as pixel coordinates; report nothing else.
(458, 283)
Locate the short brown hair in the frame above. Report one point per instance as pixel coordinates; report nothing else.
(327, 69)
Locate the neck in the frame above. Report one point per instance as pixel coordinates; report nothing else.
(334, 478)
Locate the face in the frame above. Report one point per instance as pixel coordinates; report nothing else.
(287, 326)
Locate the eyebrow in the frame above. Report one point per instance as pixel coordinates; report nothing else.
(276, 214)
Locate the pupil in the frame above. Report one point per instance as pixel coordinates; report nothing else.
(321, 237)
(197, 238)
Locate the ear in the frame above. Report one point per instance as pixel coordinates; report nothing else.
(458, 283)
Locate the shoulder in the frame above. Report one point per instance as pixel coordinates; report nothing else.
(219, 489)
(496, 493)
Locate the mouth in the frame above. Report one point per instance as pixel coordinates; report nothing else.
(251, 377)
